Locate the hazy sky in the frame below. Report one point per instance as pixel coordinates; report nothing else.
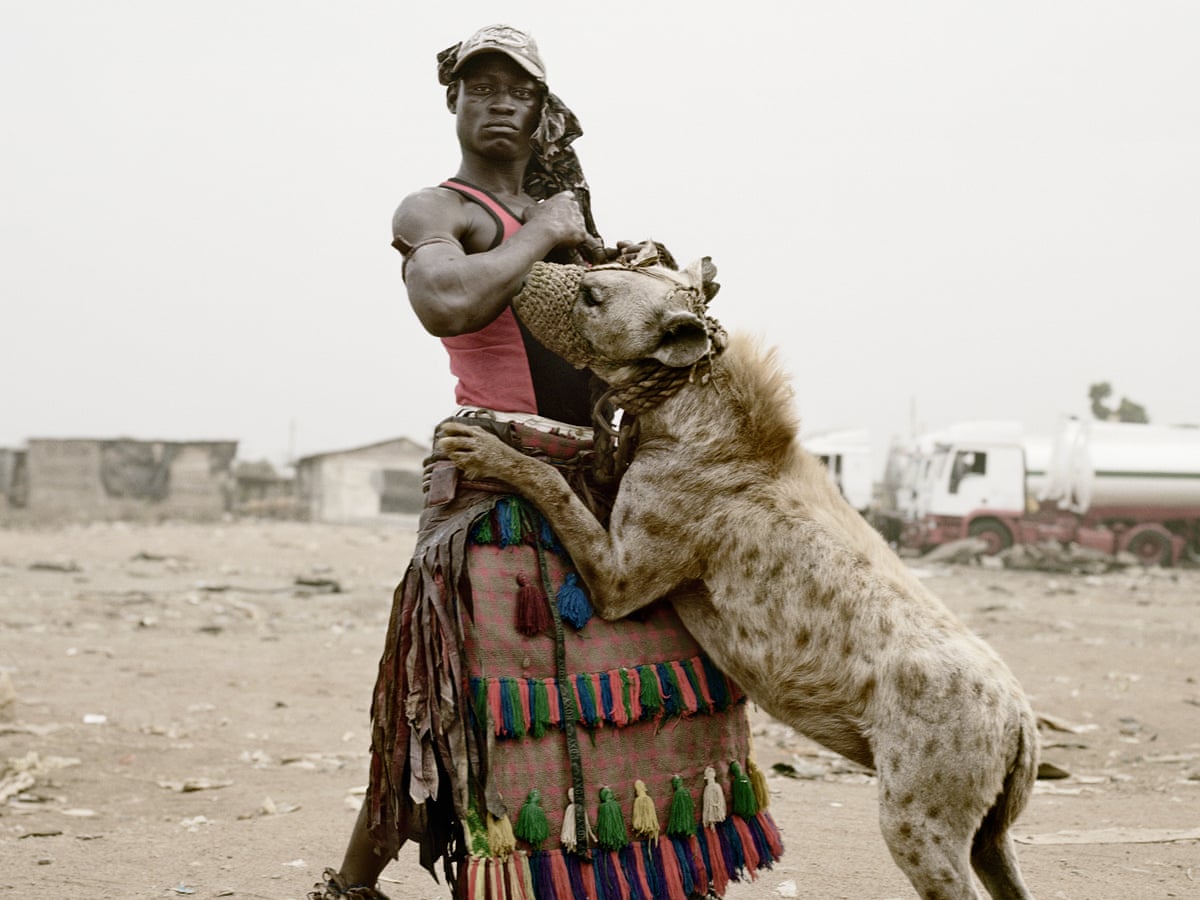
(937, 210)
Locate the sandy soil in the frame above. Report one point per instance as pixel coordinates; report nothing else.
(179, 716)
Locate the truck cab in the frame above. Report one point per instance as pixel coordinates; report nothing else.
(969, 488)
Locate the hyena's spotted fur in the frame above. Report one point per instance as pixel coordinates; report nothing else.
(790, 591)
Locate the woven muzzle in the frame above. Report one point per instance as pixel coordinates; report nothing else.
(545, 305)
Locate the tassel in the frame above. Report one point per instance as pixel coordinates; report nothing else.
(610, 824)
(649, 695)
(587, 700)
(645, 816)
(533, 608)
(501, 840)
(761, 845)
(549, 541)
(532, 827)
(606, 880)
(524, 690)
(496, 889)
(591, 891)
(713, 808)
(480, 688)
(744, 804)
(578, 890)
(696, 684)
(510, 708)
(554, 698)
(634, 678)
(716, 861)
(595, 683)
(509, 880)
(670, 690)
(540, 709)
(682, 820)
(758, 780)
(560, 878)
(567, 836)
(687, 697)
(573, 604)
(508, 514)
(476, 832)
(749, 848)
(606, 698)
(718, 688)
(625, 711)
(626, 861)
(610, 877)
(652, 865)
(692, 859)
(731, 848)
(483, 530)
(525, 876)
(496, 706)
(474, 878)
(771, 830)
(638, 853)
(686, 874)
(672, 877)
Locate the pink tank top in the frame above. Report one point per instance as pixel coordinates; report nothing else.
(491, 364)
(501, 366)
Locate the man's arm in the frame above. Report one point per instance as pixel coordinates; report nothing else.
(455, 292)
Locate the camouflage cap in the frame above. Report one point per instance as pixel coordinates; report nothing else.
(512, 42)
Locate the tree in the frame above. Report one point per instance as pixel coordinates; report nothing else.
(1126, 411)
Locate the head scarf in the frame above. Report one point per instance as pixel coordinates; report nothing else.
(554, 165)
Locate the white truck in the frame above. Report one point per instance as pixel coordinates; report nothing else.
(1106, 485)
(847, 456)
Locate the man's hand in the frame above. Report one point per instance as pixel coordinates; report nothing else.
(559, 215)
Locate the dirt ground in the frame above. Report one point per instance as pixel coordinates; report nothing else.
(182, 715)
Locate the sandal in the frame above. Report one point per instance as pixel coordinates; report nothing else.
(334, 887)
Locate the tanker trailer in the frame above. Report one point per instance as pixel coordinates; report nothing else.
(1141, 482)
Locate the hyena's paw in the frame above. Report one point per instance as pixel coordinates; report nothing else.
(475, 452)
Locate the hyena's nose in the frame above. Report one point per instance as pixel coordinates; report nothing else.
(684, 339)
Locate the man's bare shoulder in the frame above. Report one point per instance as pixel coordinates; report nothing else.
(427, 213)
(429, 203)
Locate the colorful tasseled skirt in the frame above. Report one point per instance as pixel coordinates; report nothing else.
(470, 756)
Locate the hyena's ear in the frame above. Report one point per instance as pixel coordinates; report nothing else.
(664, 256)
(708, 272)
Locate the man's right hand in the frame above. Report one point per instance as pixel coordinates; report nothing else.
(561, 217)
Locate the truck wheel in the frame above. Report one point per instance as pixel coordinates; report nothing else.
(993, 531)
(1151, 548)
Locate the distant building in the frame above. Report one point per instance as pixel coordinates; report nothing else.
(83, 478)
(362, 483)
(263, 491)
(12, 478)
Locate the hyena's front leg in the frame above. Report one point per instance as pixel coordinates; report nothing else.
(480, 454)
(621, 577)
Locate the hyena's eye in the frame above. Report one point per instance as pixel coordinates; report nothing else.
(589, 297)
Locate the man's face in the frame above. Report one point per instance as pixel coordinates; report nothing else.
(498, 107)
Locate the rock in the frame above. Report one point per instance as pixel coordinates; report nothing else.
(964, 551)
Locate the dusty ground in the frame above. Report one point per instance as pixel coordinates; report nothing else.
(189, 720)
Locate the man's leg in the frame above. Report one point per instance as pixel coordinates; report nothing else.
(361, 867)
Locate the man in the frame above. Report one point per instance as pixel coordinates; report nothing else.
(480, 698)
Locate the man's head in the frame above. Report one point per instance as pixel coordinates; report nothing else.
(504, 40)
(554, 166)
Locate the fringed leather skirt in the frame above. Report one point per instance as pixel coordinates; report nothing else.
(537, 751)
